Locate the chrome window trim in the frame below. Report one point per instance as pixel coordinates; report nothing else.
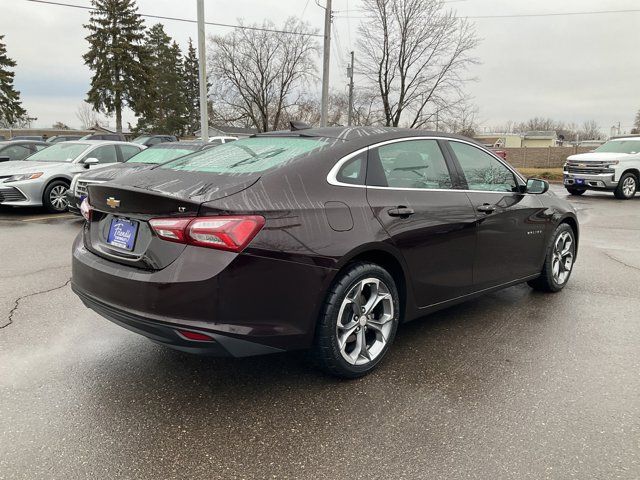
(333, 173)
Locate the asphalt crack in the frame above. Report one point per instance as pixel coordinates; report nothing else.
(621, 262)
(17, 301)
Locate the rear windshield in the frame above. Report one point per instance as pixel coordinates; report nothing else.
(620, 146)
(140, 139)
(59, 152)
(159, 155)
(249, 155)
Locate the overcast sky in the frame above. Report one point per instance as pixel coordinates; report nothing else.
(573, 68)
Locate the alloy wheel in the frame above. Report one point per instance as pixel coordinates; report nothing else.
(562, 262)
(365, 321)
(58, 198)
(629, 186)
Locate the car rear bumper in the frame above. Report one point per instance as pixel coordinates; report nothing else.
(590, 181)
(249, 305)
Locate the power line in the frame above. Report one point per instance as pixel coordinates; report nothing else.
(526, 15)
(177, 19)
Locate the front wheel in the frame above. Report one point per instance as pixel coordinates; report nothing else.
(358, 322)
(558, 263)
(627, 186)
(55, 197)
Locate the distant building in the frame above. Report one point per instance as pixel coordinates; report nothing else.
(539, 139)
(499, 140)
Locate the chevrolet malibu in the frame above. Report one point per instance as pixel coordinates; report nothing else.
(319, 239)
(43, 178)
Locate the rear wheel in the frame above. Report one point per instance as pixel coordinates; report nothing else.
(55, 197)
(358, 322)
(558, 263)
(627, 186)
(575, 191)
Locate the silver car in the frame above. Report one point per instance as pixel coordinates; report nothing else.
(43, 178)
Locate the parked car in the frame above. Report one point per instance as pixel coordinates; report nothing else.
(19, 149)
(160, 153)
(221, 140)
(612, 167)
(322, 238)
(44, 177)
(114, 137)
(63, 138)
(36, 138)
(150, 140)
(499, 152)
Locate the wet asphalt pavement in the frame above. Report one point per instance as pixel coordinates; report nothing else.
(515, 385)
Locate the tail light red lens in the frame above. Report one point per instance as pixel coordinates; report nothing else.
(195, 336)
(86, 209)
(231, 233)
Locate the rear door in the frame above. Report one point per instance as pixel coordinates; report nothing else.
(510, 224)
(411, 191)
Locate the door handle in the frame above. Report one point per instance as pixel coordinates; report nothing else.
(400, 211)
(486, 208)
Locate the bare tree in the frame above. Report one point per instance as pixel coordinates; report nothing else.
(257, 75)
(461, 119)
(590, 130)
(415, 54)
(87, 116)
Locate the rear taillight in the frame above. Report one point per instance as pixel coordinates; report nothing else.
(231, 233)
(86, 209)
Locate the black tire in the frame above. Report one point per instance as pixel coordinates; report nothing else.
(575, 191)
(622, 191)
(547, 282)
(326, 351)
(51, 193)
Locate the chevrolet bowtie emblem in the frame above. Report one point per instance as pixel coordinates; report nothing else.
(112, 202)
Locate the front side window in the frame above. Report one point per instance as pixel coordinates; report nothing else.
(104, 154)
(413, 164)
(251, 155)
(16, 152)
(60, 152)
(482, 171)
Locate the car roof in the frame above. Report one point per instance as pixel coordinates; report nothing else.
(629, 137)
(363, 136)
(103, 142)
(18, 142)
(177, 145)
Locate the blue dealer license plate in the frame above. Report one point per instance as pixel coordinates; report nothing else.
(122, 233)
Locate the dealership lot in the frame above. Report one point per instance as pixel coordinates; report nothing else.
(514, 385)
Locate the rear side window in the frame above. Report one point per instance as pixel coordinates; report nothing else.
(412, 164)
(104, 154)
(482, 171)
(250, 155)
(128, 151)
(353, 171)
(16, 152)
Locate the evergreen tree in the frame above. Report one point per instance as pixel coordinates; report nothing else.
(11, 110)
(117, 57)
(165, 111)
(192, 88)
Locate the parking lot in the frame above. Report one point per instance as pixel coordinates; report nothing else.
(516, 384)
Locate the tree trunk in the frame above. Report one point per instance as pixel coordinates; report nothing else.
(119, 118)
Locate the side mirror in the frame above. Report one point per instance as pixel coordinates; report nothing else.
(4, 158)
(91, 161)
(537, 187)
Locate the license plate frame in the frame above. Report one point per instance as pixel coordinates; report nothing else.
(122, 233)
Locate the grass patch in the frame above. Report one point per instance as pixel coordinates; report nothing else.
(550, 174)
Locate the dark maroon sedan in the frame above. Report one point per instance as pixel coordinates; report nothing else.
(320, 238)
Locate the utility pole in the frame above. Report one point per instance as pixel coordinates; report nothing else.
(324, 110)
(202, 59)
(350, 75)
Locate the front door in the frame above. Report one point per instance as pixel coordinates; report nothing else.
(511, 225)
(410, 189)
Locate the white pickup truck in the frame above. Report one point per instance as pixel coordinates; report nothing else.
(613, 166)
